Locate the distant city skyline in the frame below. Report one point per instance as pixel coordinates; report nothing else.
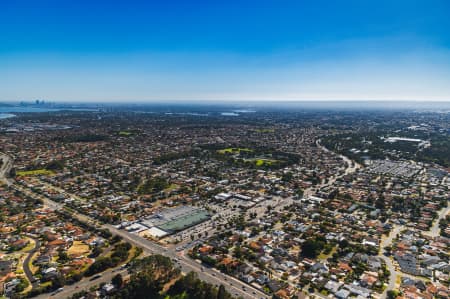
(227, 51)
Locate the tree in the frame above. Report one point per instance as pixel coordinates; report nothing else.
(300, 192)
(238, 252)
(221, 293)
(311, 248)
(58, 281)
(99, 265)
(286, 177)
(343, 243)
(117, 280)
(149, 275)
(153, 185)
(380, 204)
(62, 256)
(96, 251)
(392, 294)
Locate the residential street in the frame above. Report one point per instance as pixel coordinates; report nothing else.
(5, 168)
(26, 263)
(387, 241)
(434, 231)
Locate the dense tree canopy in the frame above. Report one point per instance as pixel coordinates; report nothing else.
(150, 274)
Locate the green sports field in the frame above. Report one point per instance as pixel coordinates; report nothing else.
(185, 221)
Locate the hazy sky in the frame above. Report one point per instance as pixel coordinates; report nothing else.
(67, 50)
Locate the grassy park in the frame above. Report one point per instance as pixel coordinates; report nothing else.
(234, 150)
(34, 172)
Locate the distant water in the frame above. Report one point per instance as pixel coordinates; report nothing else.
(244, 111)
(186, 113)
(25, 109)
(6, 115)
(229, 114)
(7, 112)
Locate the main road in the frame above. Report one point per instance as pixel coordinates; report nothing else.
(84, 284)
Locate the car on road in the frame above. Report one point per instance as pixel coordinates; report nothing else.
(34, 279)
(95, 277)
(57, 291)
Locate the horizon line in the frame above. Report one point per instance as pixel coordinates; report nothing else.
(214, 101)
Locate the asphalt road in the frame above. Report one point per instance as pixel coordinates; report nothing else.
(435, 230)
(26, 267)
(393, 272)
(6, 167)
(83, 284)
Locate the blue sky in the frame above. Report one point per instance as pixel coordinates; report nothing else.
(224, 50)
